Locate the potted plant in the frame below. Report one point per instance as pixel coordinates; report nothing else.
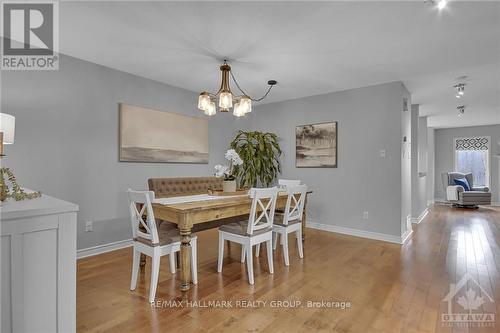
(227, 172)
(260, 154)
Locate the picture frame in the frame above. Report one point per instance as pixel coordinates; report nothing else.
(316, 145)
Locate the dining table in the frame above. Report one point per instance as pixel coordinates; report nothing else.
(187, 211)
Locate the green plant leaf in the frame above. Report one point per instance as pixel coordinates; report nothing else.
(260, 153)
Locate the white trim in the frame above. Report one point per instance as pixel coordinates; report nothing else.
(421, 217)
(408, 224)
(406, 236)
(95, 250)
(358, 233)
(488, 156)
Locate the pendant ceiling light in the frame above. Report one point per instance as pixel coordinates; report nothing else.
(225, 98)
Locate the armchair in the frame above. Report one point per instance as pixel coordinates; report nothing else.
(459, 197)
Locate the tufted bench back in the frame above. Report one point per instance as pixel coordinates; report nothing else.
(167, 187)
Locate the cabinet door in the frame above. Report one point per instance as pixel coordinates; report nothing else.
(38, 274)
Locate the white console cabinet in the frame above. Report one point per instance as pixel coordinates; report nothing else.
(38, 265)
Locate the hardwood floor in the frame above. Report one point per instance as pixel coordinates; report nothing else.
(391, 288)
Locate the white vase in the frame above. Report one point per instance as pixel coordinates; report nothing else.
(229, 186)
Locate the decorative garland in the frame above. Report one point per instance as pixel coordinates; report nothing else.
(17, 192)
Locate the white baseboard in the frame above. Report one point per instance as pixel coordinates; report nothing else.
(95, 250)
(358, 233)
(421, 217)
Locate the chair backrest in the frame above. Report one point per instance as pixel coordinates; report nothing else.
(288, 182)
(448, 178)
(295, 203)
(140, 203)
(262, 210)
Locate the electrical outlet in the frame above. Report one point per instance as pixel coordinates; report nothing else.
(382, 153)
(365, 215)
(89, 226)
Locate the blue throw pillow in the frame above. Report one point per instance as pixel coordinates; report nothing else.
(462, 182)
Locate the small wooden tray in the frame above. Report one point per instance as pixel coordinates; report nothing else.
(220, 193)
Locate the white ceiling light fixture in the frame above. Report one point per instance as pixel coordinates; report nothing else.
(439, 4)
(461, 110)
(460, 88)
(442, 4)
(226, 99)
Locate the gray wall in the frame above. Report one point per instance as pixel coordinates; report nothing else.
(369, 120)
(445, 154)
(67, 139)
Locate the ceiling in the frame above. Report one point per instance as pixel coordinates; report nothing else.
(309, 48)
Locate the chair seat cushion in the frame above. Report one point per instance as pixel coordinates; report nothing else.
(167, 234)
(278, 220)
(240, 228)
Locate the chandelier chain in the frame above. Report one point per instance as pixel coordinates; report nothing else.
(241, 90)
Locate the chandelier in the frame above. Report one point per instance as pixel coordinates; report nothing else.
(241, 104)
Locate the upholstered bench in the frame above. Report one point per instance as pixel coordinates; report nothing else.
(170, 187)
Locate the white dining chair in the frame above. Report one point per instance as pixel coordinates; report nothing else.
(256, 230)
(154, 240)
(288, 182)
(290, 221)
(283, 183)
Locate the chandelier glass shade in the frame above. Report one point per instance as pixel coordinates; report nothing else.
(460, 88)
(226, 99)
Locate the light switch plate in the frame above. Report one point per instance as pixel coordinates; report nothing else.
(89, 226)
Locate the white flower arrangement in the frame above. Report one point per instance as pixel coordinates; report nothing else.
(233, 157)
(227, 171)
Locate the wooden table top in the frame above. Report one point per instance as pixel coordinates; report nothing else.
(221, 202)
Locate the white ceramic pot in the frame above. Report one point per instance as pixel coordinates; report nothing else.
(229, 186)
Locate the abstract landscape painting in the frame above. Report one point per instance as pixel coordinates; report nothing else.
(148, 135)
(316, 145)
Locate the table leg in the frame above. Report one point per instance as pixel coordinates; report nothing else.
(185, 258)
(304, 219)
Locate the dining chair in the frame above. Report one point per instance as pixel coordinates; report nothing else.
(288, 182)
(256, 230)
(283, 183)
(154, 239)
(290, 221)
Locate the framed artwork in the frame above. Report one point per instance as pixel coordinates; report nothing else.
(148, 135)
(316, 145)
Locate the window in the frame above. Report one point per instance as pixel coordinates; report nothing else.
(472, 155)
